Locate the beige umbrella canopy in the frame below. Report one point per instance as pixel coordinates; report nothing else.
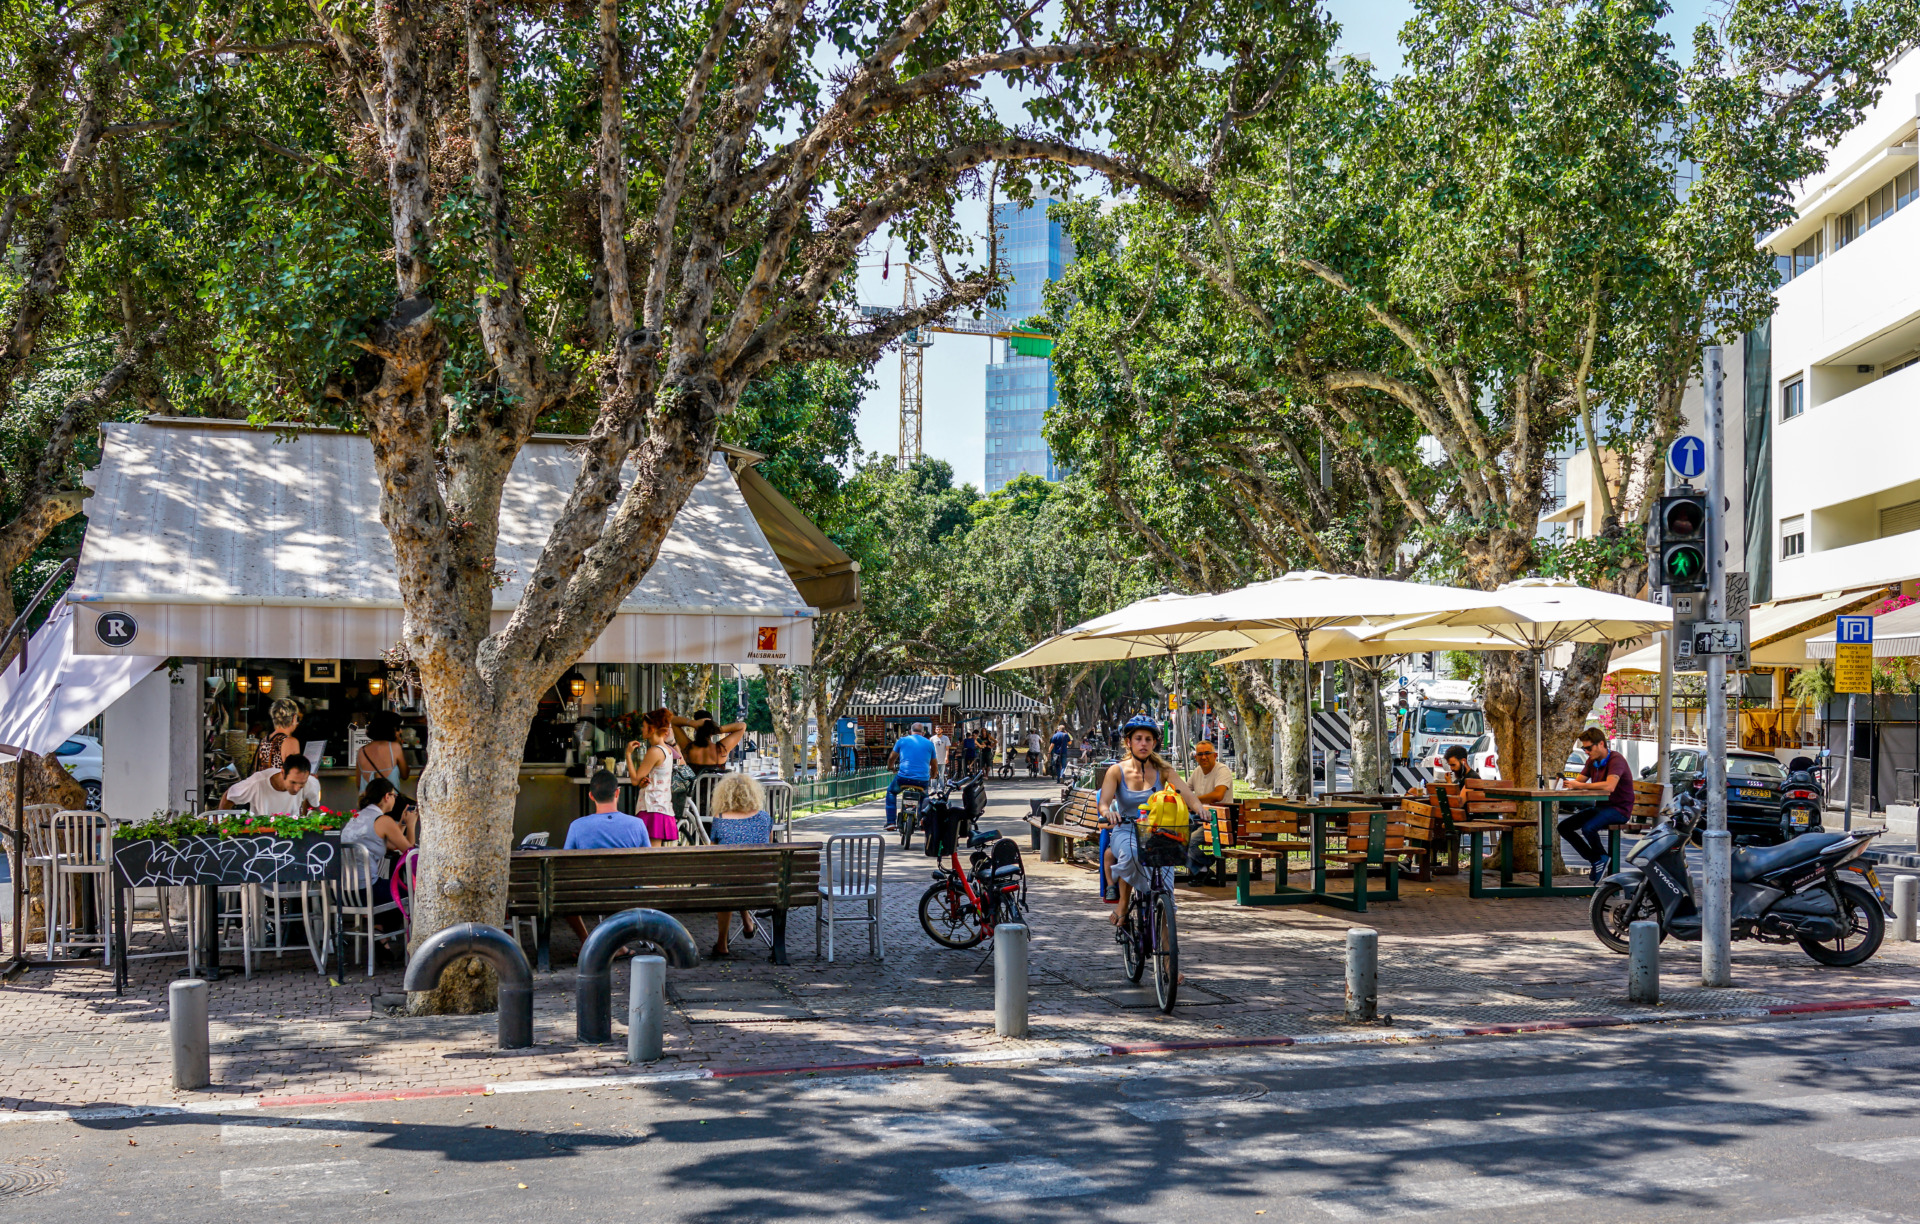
(1533, 614)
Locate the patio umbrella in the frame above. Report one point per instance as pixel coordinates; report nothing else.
(1301, 604)
(1534, 614)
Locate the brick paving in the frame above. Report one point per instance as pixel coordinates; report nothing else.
(1445, 961)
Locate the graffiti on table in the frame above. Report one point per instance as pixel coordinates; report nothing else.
(257, 859)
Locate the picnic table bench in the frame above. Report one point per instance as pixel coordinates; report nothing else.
(544, 884)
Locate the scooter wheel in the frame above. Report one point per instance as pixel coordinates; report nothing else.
(1866, 927)
(1612, 912)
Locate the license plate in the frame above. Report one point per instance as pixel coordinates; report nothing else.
(1749, 793)
(1872, 877)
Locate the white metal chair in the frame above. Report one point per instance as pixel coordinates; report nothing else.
(780, 807)
(850, 870)
(360, 901)
(39, 853)
(82, 852)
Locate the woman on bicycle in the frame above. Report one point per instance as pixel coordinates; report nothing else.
(1132, 781)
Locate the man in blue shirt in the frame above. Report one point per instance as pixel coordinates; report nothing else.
(608, 828)
(1061, 742)
(912, 763)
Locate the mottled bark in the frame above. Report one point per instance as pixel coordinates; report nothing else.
(1366, 721)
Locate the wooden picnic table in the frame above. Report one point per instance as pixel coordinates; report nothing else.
(1317, 813)
(1381, 800)
(1546, 801)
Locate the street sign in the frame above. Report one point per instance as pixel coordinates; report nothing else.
(1687, 456)
(1719, 637)
(1854, 629)
(1853, 667)
(1685, 657)
(1739, 600)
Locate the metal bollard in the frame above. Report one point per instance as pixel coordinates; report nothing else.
(1363, 974)
(1906, 900)
(187, 1028)
(647, 1010)
(1643, 961)
(1010, 980)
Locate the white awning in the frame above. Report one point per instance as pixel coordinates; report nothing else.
(209, 539)
(61, 693)
(1779, 630)
(1896, 635)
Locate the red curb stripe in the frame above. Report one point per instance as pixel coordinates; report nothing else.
(877, 1065)
(346, 1098)
(1224, 1043)
(1796, 1009)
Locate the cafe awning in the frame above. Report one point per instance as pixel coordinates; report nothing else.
(1896, 634)
(211, 539)
(1780, 630)
(828, 579)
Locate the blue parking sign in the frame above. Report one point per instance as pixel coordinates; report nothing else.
(1687, 456)
(1854, 629)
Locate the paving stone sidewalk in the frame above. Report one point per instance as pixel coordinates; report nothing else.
(1445, 961)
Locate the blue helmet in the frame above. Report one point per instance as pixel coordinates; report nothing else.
(1140, 722)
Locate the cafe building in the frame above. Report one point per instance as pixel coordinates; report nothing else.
(238, 565)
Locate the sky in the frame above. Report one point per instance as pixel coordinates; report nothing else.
(954, 387)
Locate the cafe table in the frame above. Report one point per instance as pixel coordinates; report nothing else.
(1545, 801)
(1319, 813)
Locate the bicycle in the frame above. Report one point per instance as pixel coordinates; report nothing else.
(907, 811)
(963, 907)
(1149, 929)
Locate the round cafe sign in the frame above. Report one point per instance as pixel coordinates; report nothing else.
(116, 629)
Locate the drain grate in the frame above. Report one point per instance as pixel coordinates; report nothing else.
(17, 1181)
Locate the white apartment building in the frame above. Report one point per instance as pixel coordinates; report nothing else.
(1843, 389)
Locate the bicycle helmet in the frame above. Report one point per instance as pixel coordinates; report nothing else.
(1139, 722)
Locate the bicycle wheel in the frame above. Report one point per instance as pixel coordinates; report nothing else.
(1166, 952)
(909, 817)
(949, 918)
(1133, 940)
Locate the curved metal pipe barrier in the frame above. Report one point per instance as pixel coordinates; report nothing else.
(497, 948)
(593, 981)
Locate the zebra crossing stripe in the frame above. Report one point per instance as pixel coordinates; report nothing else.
(1876, 1151)
(1501, 1193)
(1019, 1179)
(335, 1177)
(931, 1128)
(257, 1129)
(1207, 1108)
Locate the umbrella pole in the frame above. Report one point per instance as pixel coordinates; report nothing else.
(1306, 710)
(1539, 757)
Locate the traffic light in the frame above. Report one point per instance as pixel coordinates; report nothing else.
(1683, 541)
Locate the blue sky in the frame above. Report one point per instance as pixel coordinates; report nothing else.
(955, 388)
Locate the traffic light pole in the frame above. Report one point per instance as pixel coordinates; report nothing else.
(1716, 946)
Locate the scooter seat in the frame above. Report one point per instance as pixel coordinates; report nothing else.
(1752, 862)
(983, 837)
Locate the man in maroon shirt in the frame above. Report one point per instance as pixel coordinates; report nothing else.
(1605, 770)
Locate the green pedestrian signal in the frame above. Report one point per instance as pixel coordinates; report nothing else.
(1683, 542)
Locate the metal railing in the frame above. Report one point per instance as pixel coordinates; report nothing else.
(840, 790)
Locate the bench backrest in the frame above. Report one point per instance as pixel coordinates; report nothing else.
(703, 877)
(1421, 822)
(1082, 808)
(1647, 798)
(1262, 820)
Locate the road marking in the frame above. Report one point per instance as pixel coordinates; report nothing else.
(927, 1127)
(1505, 1193)
(1207, 1108)
(298, 1128)
(1877, 1151)
(293, 1181)
(1844, 1217)
(1020, 1179)
(865, 1087)
(1680, 1122)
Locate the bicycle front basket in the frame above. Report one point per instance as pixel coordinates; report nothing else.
(1159, 850)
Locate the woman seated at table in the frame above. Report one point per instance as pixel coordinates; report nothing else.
(741, 819)
(377, 830)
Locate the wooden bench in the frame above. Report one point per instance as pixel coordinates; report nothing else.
(1077, 820)
(1648, 798)
(1445, 799)
(545, 884)
(1373, 840)
(1266, 832)
(1427, 829)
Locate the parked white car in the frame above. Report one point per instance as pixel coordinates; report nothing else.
(82, 756)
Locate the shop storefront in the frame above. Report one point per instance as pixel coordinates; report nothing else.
(253, 562)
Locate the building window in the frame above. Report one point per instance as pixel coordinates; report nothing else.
(1898, 520)
(1807, 254)
(1793, 536)
(1793, 399)
(1894, 367)
(1849, 225)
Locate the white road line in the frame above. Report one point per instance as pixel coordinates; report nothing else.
(293, 1181)
(284, 1128)
(1680, 1122)
(1844, 1217)
(1020, 1179)
(865, 1087)
(1207, 1108)
(1506, 1193)
(1877, 1151)
(927, 1127)
(582, 1083)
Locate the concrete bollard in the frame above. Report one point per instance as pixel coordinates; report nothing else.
(647, 1010)
(1363, 974)
(1010, 980)
(1906, 901)
(1643, 961)
(187, 1029)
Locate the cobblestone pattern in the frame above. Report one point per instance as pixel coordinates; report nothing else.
(1445, 961)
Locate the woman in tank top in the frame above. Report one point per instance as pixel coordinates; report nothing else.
(381, 756)
(1132, 781)
(651, 769)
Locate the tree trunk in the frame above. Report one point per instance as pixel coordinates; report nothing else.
(823, 718)
(1254, 742)
(787, 708)
(47, 782)
(1364, 715)
(469, 786)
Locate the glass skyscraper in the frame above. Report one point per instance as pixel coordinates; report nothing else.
(1020, 389)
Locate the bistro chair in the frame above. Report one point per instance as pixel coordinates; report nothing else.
(82, 851)
(360, 904)
(850, 869)
(39, 853)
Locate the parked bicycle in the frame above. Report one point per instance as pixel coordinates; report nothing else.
(965, 904)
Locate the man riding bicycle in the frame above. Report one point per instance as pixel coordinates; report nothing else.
(912, 763)
(1132, 781)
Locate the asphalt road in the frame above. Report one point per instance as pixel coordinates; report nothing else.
(1807, 1121)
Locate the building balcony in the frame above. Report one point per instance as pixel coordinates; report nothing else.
(1839, 311)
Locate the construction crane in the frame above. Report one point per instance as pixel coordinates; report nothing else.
(915, 343)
